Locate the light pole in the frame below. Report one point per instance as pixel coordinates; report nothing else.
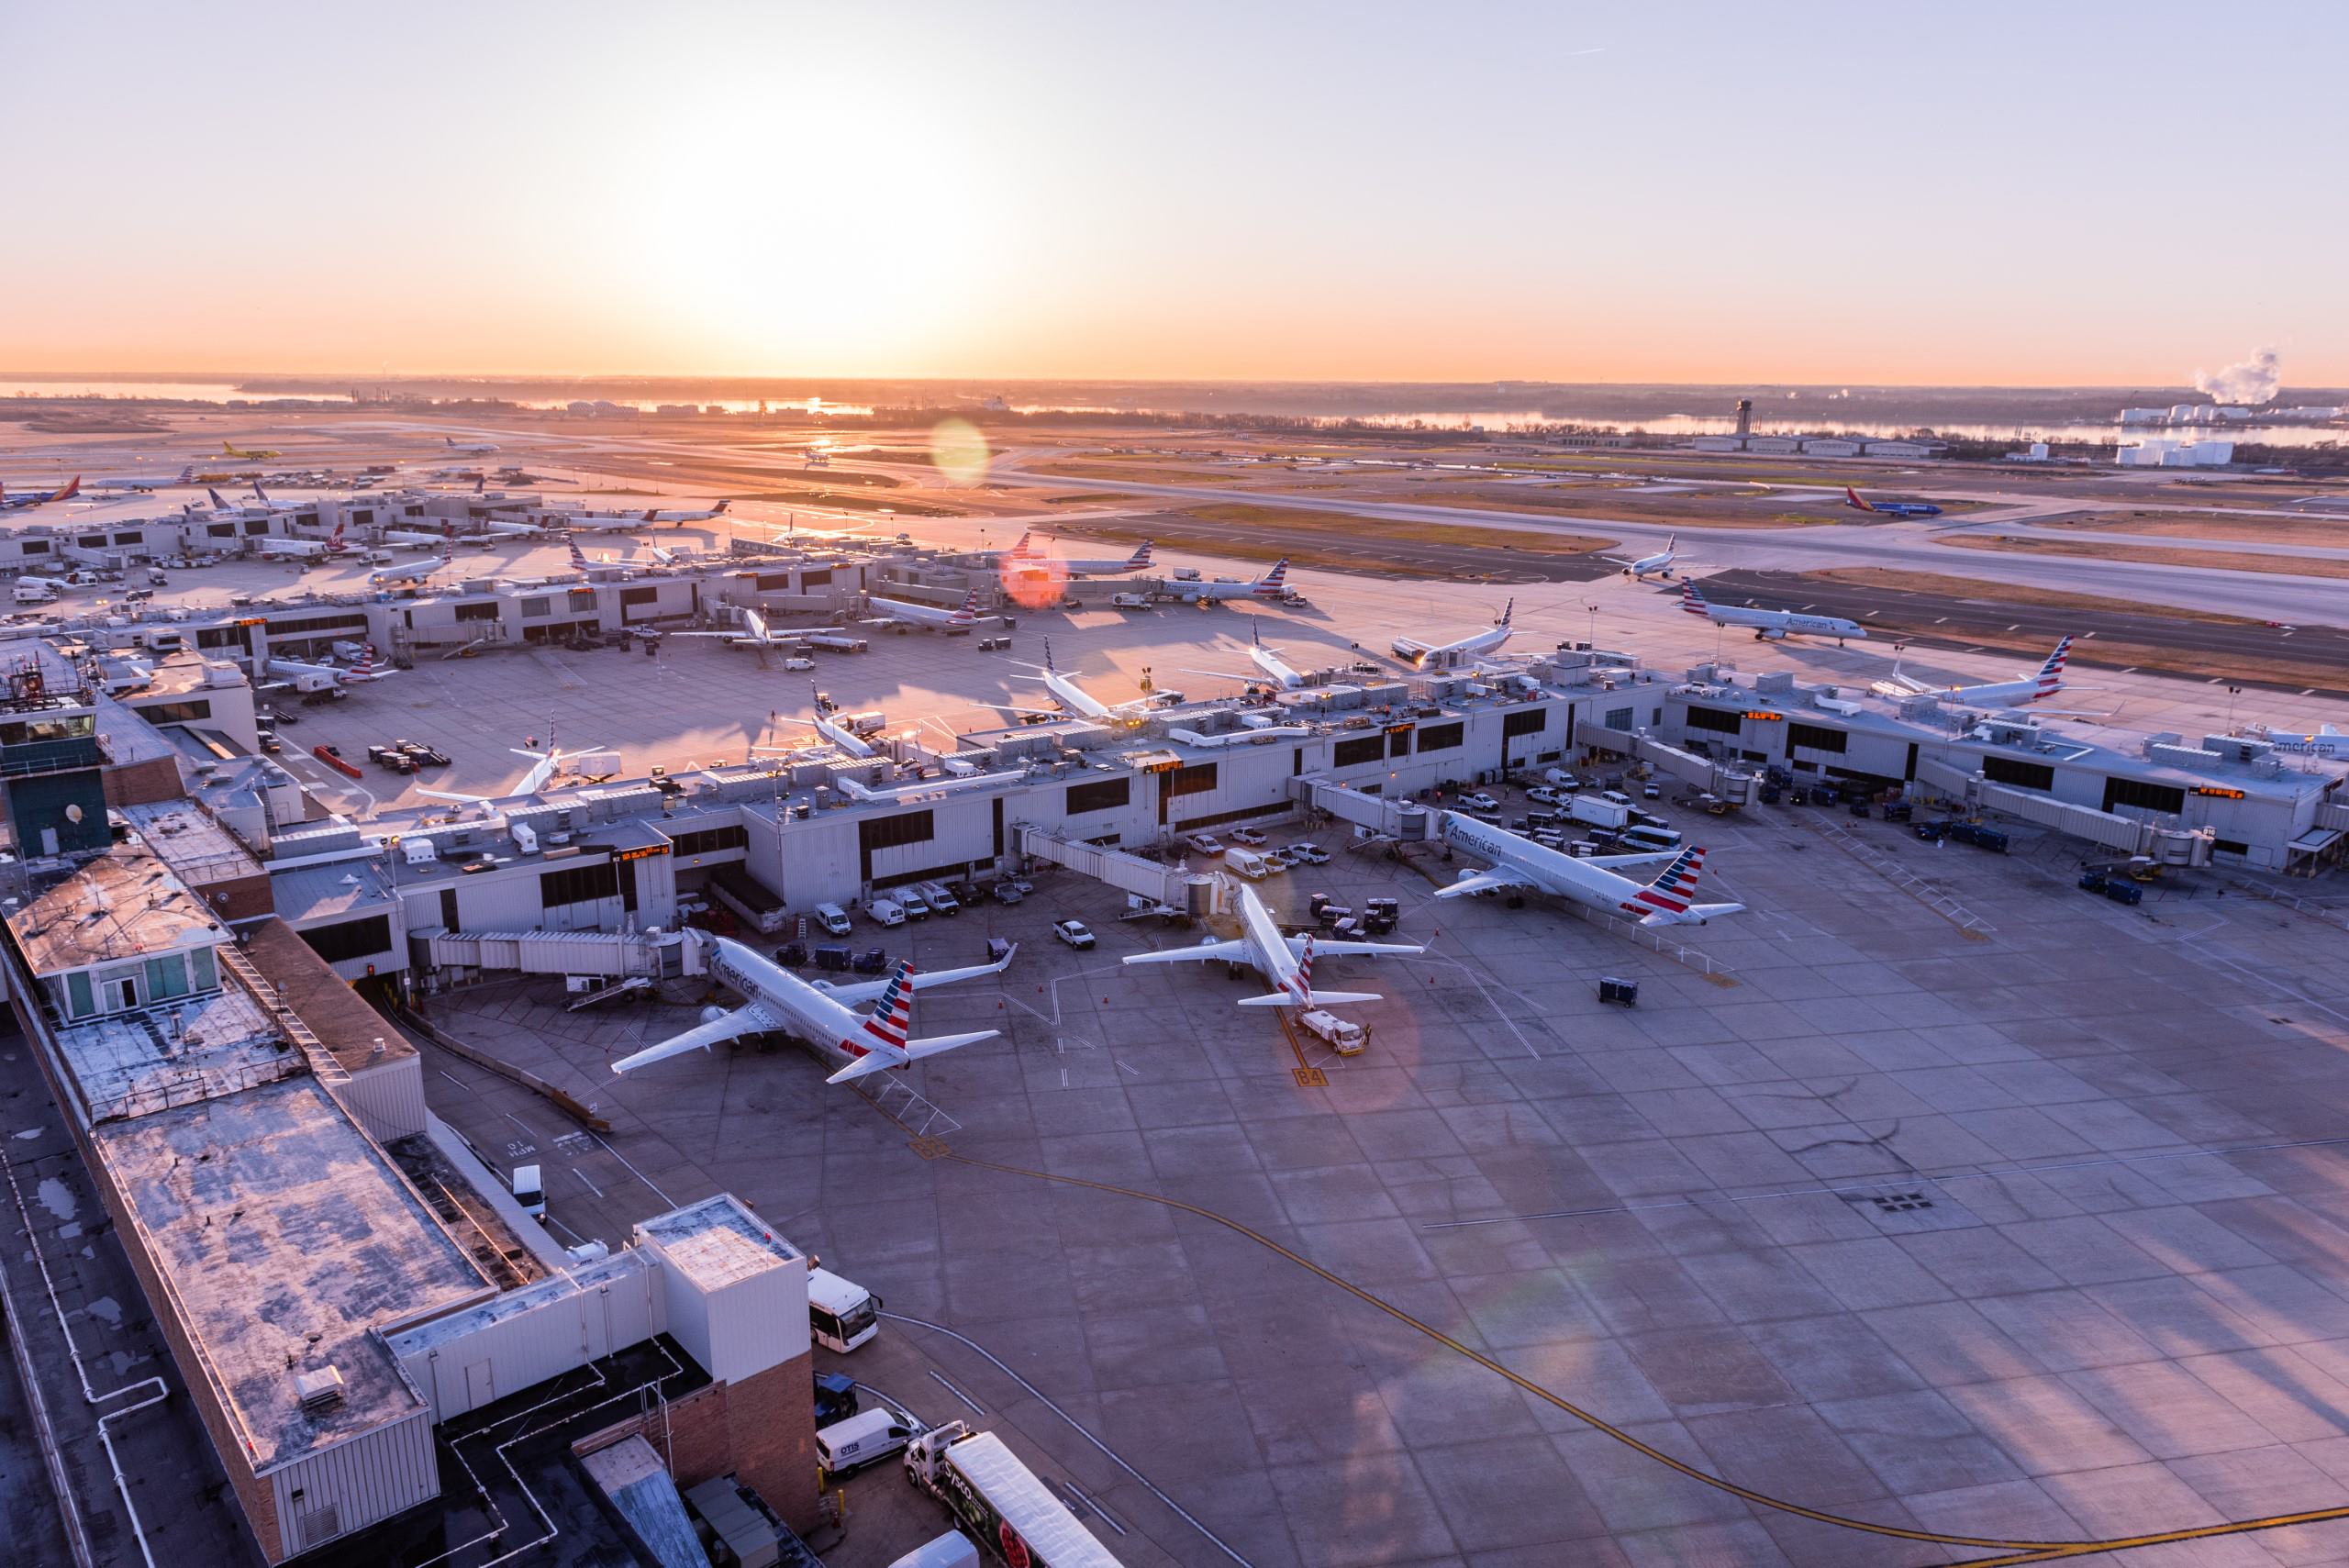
(1594, 625)
(2233, 691)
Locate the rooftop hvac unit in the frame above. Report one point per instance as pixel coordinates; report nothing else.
(319, 1390)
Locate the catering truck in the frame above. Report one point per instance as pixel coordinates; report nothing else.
(999, 1501)
(1598, 811)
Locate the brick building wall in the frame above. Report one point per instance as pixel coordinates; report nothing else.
(773, 1418)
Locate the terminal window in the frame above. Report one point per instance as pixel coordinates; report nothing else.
(710, 841)
(1713, 718)
(573, 884)
(1812, 737)
(1443, 736)
(1362, 748)
(2022, 775)
(2145, 796)
(1524, 721)
(1101, 795)
(1197, 779)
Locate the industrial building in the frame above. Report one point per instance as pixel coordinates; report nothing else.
(2156, 451)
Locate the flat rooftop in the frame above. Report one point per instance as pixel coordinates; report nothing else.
(120, 905)
(329, 891)
(190, 840)
(717, 1241)
(198, 1048)
(584, 1279)
(286, 1237)
(356, 1033)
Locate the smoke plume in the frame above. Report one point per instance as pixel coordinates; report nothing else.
(2255, 381)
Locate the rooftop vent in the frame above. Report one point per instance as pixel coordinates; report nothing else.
(319, 1390)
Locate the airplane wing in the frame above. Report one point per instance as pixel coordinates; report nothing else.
(870, 990)
(1229, 953)
(1223, 674)
(1322, 948)
(1496, 878)
(1609, 863)
(753, 1019)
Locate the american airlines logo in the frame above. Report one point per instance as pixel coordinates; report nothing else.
(1477, 841)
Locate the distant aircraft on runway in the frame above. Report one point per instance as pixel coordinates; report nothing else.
(255, 453)
(781, 1003)
(1287, 962)
(471, 449)
(1890, 508)
(1769, 626)
(145, 484)
(1660, 562)
(1518, 863)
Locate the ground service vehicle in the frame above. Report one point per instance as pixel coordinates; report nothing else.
(1247, 862)
(860, 1440)
(952, 1550)
(1073, 932)
(1130, 601)
(1342, 1035)
(833, 918)
(887, 911)
(2122, 891)
(1598, 811)
(1000, 1501)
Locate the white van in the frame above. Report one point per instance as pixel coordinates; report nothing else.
(1247, 862)
(842, 1313)
(860, 1440)
(952, 1550)
(940, 900)
(833, 918)
(911, 901)
(885, 911)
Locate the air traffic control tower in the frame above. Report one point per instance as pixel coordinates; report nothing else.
(50, 762)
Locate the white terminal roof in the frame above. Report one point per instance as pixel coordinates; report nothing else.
(287, 1235)
(717, 1241)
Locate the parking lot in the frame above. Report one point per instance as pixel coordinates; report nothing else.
(2010, 1224)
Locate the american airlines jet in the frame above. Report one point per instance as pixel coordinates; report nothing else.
(1441, 654)
(779, 1002)
(1266, 659)
(1026, 554)
(1769, 626)
(910, 614)
(1996, 694)
(1273, 584)
(146, 483)
(1075, 699)
(1287, 962)
(1660, 562)
(1669, 900)
(471, 449)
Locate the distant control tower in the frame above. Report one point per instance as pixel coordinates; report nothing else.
(1744, 417)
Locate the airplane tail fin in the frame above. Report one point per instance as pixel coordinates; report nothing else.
(1852, 499)
(719, 510)
(1273, 580)
(1049, 668)
(969, 610)
(230, 449)
(187, 473)
(1019, 550)
(1690, 599)
(1140, 557)
(1674, 888)
(1509, 613)
(217, 504)
(70, 491)
(2051, 675)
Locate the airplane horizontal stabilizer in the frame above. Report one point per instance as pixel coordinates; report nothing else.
(881, 1057)
(1694, 914)
(1287, 999)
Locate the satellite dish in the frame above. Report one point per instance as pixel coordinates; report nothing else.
(73, 814)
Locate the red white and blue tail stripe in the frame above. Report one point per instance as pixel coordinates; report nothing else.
(1272, 584)
(1139, 557)
(893, 1016)
(1672, 893)
(1692, 601)
(2051, 675)
(969, 610)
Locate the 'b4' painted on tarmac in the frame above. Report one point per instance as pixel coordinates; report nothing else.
(1310, 1077)
(929, 1148)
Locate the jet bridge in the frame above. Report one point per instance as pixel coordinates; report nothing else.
(1172, 886)
(1402, 820)
(1737, 785)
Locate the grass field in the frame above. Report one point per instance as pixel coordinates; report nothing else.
(1326, 541)
(2157, 555)
(2323, 531)
(2010, 594)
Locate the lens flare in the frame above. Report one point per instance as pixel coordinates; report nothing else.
(1033, 585)
(959, 452)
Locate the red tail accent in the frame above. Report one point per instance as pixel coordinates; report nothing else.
(1852, 499)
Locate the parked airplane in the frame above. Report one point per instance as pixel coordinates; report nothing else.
(302, 676)
(471, 449)
(420, 570)
(1025, 554)
(146, 483)
(779, 1002)
(580, 562)
(1075, 699)
(1273, 584)
(1442, 654)
(255, 454)
(830, 728)
(1660, 562)
(1669, 900)
(793, 534)
(1769, 626)
(1287, 962)
(2326, 742)
(755, 633)
(1266, 659)
(911, 614)
(1890, 508)
(1994, 695)
(544, 766)
(17, 503)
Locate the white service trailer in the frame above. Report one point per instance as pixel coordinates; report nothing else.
(1000, 1501)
